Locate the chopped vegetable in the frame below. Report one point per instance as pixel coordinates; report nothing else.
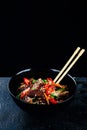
(41, 91)
(53, 101)
(26, 81)
(47, 99)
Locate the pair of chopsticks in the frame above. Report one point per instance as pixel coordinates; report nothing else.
(75, 56)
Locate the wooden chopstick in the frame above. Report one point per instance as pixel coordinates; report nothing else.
(73, 55)
(56, 80)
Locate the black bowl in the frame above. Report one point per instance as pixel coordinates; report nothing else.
(35, 108)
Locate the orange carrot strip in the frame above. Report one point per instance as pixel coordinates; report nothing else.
(58, 85)
(46, 98)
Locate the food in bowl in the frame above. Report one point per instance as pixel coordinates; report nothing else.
(41, 91)
(35, 105)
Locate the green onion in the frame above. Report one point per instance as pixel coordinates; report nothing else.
(53, 94)
(33, 81)
(44, 80)
(18, 96)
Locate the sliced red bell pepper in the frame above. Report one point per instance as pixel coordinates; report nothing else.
(50, 81)
(53, 101)
(50, 90)
(26, 81)
(46, 86)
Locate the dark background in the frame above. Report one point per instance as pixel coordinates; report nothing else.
(43, 34)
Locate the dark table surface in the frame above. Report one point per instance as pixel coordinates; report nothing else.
(74, 118)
